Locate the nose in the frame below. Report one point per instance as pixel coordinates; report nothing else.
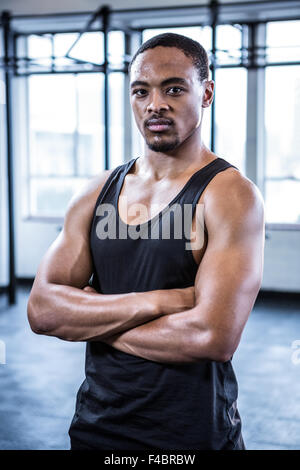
(157, 102)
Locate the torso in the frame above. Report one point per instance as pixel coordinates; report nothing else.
(154, 197)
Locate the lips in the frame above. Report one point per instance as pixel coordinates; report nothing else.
(158, 125)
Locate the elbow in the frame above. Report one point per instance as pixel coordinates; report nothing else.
(221, 349)
(219, 353)
(210, 346)
(224, 356)
(35, 319)
(40, 321)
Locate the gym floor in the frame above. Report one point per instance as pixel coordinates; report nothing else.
(41, 376)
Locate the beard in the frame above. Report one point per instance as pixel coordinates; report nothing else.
(163, 147)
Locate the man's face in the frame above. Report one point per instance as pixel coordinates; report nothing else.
(166, 97)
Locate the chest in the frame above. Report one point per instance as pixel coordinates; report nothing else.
(140, 202)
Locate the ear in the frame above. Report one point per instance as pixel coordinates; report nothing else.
(208, 94)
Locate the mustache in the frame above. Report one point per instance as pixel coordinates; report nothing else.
(156, 119)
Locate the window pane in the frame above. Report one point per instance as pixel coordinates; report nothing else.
(282, 121)
(137, 141)
(49, 197)
(39, 46)
(52, 122)
(90, 150)
(282, 201)
(63, 42)
(229, 43)
(206, 127)
(116, 48)
(283, 41)
(52, 153)
(230, 116)
(89, 47)
(40, 49)
(116, 119)
(66, 137)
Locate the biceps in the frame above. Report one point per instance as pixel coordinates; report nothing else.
(226, 287)
(67, 261)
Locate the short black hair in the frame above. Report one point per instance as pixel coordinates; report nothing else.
(188, 46)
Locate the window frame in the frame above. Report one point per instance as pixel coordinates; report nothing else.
(276, 226)
(133, 29)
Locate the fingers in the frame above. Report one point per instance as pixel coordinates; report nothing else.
(90, 289)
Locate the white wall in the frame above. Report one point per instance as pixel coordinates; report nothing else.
(282, 261)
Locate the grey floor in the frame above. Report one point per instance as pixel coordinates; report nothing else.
(39, 381)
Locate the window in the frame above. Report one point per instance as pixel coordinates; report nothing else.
(230, 97)
(66, 138)
(66, 115)
(49, 51)
(116, 118)
(66, 110)
(116, 83)
(282, 124)
(283, 41)
(229, 44)
(230, 120)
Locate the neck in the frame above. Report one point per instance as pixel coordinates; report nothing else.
(186, 158)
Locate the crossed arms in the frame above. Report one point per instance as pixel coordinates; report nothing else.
(178, 325)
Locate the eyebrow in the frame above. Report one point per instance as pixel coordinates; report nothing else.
(168, 81)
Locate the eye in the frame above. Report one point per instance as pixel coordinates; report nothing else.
(140, 92)
(175, 90)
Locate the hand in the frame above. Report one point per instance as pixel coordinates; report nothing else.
(90, 289)
(188, 297)
(177, 300)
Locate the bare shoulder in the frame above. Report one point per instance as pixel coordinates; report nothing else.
(233, 200)
(87, 193)
(231, 185)
(81, 206)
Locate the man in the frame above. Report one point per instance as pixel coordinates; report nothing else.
(162, 318)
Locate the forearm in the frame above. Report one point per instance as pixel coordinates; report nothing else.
(171, 339)
(75, 315)
(72, 314)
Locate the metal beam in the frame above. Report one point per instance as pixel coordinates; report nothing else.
(255, 140)
(105, 21)
(214, 22)
(8, 52)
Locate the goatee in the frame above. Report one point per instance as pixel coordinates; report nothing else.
(163, 146)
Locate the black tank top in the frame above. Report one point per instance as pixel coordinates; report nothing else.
(130, 403)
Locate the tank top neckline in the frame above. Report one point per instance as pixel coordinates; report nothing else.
(166, 208)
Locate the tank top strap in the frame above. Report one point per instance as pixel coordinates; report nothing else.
(201, 179)
(114, 182)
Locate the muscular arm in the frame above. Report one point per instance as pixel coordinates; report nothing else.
(226, 285)
(58, 305)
